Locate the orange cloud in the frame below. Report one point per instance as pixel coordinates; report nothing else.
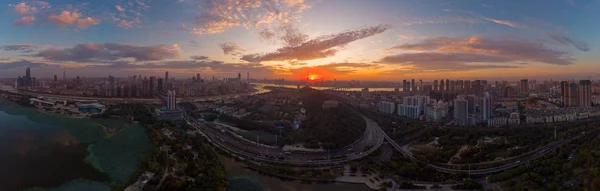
(66, 18)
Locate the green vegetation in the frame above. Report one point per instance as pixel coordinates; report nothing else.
(77, 185)
(333, 128)
(559, 171)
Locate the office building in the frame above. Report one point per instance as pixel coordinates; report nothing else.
(461, 114)
(435, 85)
(564, 85)
(55, 78)
(405, 87)
(472, 101)
(585, 93)
(447, 85)
(413, 86)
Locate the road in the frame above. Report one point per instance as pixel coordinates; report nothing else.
(227, 141)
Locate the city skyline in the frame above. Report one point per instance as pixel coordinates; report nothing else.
(380, 40)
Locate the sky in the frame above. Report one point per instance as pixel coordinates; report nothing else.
(326, 39)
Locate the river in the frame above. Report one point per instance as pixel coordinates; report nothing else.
(243, 179)
(49, 151)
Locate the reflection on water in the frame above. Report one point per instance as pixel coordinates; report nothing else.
(41, 150)
(242, 179)
(39, 154)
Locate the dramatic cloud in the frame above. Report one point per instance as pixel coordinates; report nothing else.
(205, 65)
(19, 47)
(514, 49)
(447, 61)
(565, 40)
(230, 48)
(21, 63)
(199, 57)
(111, 52)
(216, 16)
(505, 22)
(320, 47)
(67, 18)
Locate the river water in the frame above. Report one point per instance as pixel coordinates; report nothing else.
(47, 151)
(243, 179)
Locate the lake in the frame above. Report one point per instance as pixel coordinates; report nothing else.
(49, 151)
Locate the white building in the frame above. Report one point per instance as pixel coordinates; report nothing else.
(413, 106)
(487, 106)
(514, 119)
(436, 111)
(171, 100)
(386, 107)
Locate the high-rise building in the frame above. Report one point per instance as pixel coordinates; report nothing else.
(524, 87)
(198, 76)
(420, 85)
(152, 84)
(486, 106)
(461, 115)
(472, 101)
(564, 85)
(171, 101)
(159, 84)
(64, 75)
(28, 77)
(167, 81)
(405, 86)
(571, 95)
(447, 85)
(239, 78)
(413, 86)
(585, 93)
(413, 106)
(386, 107)
(55, 78)
(441, 88)
(435, 85)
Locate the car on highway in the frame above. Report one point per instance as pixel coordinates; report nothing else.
(518, 162)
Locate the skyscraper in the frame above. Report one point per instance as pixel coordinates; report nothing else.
(171, 101)
(405, 88)
(442, 85)
(461, 106)
(447, 85)
(152, 84)
(167, 80)
(198, 76)
(435, 85)
(55, 78)
(413, 86)
(28, 77)
(585, 93)
(486, 108)
(159, 84)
